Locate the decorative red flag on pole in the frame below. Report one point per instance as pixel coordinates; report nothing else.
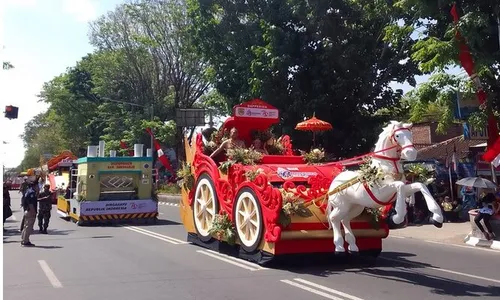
(467, 62)
(124, 146)
(161, 156)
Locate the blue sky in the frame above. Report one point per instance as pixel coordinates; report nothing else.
(42, 38)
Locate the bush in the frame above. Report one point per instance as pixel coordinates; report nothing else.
(169, 188)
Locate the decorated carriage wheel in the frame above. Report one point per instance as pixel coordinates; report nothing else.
(248, 219)
(205, 207)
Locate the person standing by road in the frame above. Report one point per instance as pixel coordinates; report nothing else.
(45, 199)
(30, 207)
(22, 189)
(7, 211)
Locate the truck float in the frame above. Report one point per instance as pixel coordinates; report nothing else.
(277, 203)
(110, 189)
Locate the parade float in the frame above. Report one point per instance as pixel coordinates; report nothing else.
(276, 204)
(110, 189)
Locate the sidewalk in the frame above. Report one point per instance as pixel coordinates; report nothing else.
(450, 233)
(453, 233)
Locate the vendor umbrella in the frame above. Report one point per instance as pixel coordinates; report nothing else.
(315, 125)
(477, 182)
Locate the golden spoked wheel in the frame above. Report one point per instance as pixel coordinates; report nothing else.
(248, 219)
(205, 206)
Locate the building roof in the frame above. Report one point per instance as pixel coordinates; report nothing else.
(439, 151)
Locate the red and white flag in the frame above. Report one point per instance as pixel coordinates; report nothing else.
(124, 146)
(161, 155)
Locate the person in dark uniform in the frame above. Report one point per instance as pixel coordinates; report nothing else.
(29, 203)
(45, 200)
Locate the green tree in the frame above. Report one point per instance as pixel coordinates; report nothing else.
(328, 57)
(436, 47)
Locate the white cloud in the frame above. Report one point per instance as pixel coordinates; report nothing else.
(82, 10)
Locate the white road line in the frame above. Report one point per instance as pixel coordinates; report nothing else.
(311, 290)
(327, 289)
(50, 274)
(229, 261)
(238, 260)
(155, 235)
(14, 218)
(397, 237)
(441, 270)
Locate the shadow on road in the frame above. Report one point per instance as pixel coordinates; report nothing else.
(47, 247)
(396, 266)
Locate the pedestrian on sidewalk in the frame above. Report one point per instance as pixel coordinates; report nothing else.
(30, 208)
(7, 211)
(469, 202)
(45, 199)
(485, 213)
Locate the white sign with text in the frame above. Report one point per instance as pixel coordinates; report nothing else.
(92, 208)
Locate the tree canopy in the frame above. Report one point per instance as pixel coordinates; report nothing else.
(332, 58)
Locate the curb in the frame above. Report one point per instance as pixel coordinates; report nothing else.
(169, 204)
(169, 198)
(476, 242)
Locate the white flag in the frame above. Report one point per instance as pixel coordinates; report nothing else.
(496, 161)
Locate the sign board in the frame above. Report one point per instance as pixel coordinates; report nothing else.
(478, 134)
(464, 106)
(190, 117)
(92, 208)
(256, 109)
(121, 165)
(262, 113)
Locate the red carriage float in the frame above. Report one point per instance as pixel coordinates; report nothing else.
(254, 205)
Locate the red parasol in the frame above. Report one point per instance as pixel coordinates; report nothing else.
(314, 124)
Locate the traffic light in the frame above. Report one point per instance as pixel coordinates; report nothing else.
(11, 112)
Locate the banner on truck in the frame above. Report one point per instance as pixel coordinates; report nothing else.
(92, 208)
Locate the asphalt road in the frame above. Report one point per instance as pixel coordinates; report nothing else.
(154, 262)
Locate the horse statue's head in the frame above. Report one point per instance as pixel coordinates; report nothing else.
(398, 136)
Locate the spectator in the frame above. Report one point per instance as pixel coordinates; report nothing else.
(485, 213)
(7, 211)
(468, 201)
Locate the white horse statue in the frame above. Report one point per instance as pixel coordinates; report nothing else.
(395, 143)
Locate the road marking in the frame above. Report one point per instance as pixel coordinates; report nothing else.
(232, 260)
(14, 218)
(50, 274)
(156, 235)
(440, 269)
(319, 289)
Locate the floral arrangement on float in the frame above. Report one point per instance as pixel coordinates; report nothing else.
(242, 156)
(418, 172)
(223, 229)
(315, 156)
(292, 206)
(186, 177)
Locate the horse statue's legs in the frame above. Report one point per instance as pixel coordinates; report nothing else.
(334, 218)
(400, 205)
(355, 211)
(437, 214)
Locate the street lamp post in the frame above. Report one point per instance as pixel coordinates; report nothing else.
(151, 108)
